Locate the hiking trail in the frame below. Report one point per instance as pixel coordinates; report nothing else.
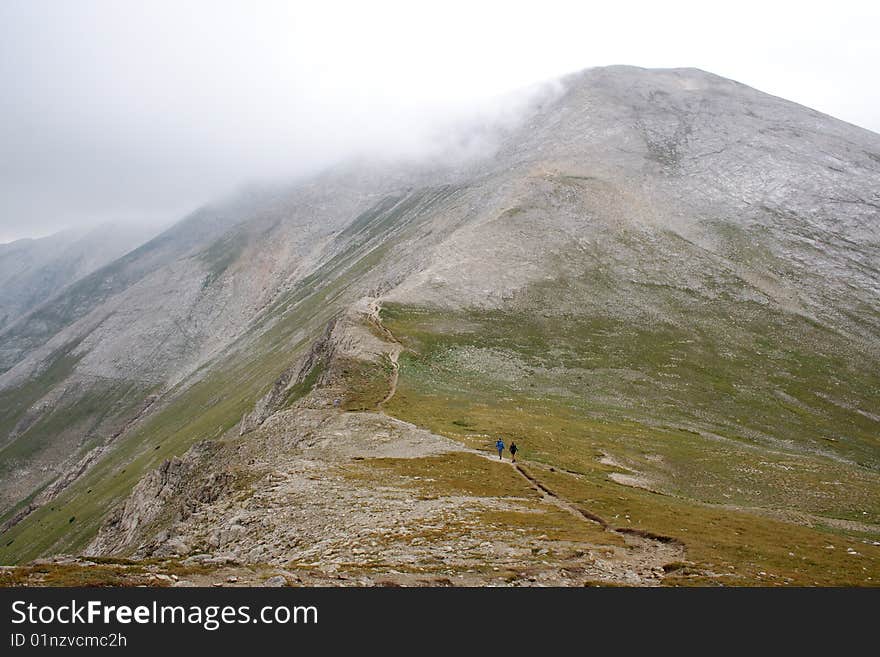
(393, 355)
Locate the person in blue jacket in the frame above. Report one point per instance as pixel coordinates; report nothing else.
(499, 445)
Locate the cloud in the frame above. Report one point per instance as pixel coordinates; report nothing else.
(125, 110)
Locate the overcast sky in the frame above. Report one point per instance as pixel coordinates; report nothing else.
(141, 111)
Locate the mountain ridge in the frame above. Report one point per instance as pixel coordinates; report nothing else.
(680, 269)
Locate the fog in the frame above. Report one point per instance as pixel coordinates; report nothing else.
(141, 111)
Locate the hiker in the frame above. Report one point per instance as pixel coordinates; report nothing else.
(513, 449)
(499, 445)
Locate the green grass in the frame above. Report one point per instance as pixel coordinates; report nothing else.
(222, 254)
(443, 475)
(763, 384)
(15, 401)
(304, 387)
(78, 417)
(732, 546)
(220, 402)
(98, 575)
(715, 485)
(15, 508)
(365, 383)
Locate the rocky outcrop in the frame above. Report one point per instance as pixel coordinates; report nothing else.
(172, 492)
(347, 337)
(320, 352)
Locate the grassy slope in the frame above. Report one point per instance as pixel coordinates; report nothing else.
(545, 382)
(74, 424)
(14, 402)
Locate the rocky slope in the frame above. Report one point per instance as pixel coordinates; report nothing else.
(663, 284)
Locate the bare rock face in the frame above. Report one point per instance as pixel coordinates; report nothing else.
(154, 495)
(626, 159)
(346, 337)
(320, 351)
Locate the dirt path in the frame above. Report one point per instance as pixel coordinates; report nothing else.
(393, 354)
(655, 548)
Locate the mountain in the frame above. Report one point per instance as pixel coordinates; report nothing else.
(34, 270)
(661, 284)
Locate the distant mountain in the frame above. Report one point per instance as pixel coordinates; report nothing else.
(34, 270)
(662, 284)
